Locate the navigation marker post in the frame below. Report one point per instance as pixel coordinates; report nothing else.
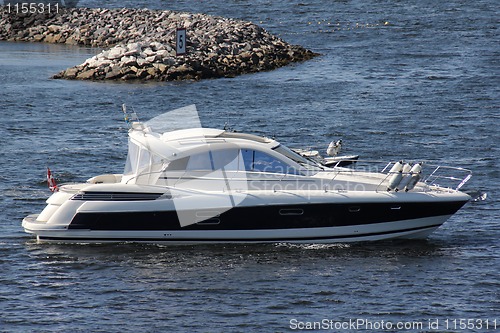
(180, 41)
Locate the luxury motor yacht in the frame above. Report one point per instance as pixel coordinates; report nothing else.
(205, 185)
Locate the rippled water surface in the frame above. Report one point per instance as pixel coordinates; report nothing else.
(396, 80)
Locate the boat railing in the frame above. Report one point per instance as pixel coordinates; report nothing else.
(446, 176)
(430, 176)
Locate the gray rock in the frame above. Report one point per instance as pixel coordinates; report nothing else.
(149, 52)
(114, 73)
(141, 62)
(157, 46)
(163, 53)
(86, 75)
(116, 52)
(70, 72)
(128, 61)
(151, 59)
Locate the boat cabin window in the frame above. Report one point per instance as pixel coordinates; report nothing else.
(201, 161)
(254, 160)
(227, 159)
(232, 160)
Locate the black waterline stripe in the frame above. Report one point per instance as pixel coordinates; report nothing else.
(247, 240)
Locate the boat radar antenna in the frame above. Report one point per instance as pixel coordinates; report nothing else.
(130, 117)
(228, 128)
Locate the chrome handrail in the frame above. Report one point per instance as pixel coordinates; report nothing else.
(453, 177)
(434, 177)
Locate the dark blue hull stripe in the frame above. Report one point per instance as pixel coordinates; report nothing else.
(273, 217)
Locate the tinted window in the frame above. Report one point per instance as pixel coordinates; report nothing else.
(214, 160)
(267, 163)
(232, 160)
(255, 160)
(247, 156)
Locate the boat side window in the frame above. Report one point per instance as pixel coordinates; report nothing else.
(232, 160)
(247, 156)
(226, 159)
(200, 161)
(254, 160)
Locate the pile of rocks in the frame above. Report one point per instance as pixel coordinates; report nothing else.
(143, 43)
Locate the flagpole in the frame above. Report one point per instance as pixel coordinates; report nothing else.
(51, 182)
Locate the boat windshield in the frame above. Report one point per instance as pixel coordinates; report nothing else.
(304, 162)
(141, 163)
(132, 157)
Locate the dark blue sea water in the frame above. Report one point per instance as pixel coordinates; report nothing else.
(396, 80)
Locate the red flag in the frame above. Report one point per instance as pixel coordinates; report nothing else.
(51, 182)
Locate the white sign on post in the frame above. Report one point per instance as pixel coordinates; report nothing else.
(180, 44)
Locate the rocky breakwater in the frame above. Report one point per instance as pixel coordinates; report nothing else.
(143, 45)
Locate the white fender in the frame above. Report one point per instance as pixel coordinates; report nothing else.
(406, 177)
(415, 171)
(397, 175)
(398, 166)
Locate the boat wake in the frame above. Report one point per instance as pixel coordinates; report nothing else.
(314, 246)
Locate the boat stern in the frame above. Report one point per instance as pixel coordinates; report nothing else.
(28, 223)
(56, 215)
